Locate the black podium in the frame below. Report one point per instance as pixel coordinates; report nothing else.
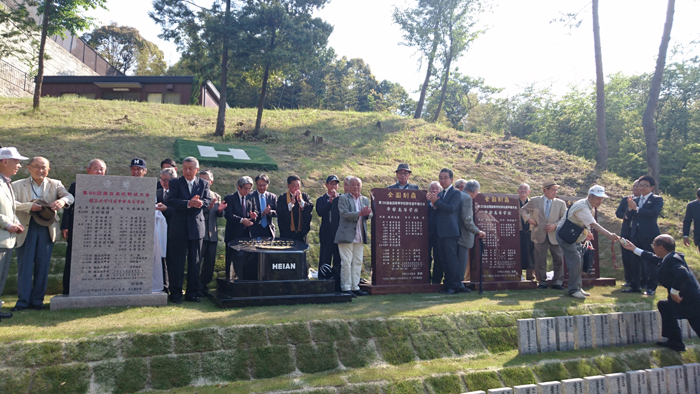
(275, 273)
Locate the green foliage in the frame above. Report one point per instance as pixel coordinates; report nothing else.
(15, 380)
(24, 28)
(609, 364)
(499, 339)
(197, 341)
(637, 361)
(438, 323)
(430, 345)
(581, 368)
(368, 328)
(33, 354)
(125, 49)
(74, 378)
(226, 366)
(447, 384)
(517, 376)
(361, 389)
(666, 357)
(244, 337)
(486, 380)
(271, 361)
(143, 345)
(123, 376)
(330, 330)
(465, 342)
(294, 333)
(403, 326)
(500, 319)
(91, 349)
(550, 372)
(316, 358)
(168, 372)
(395, 350)
(405, 387)
(357, 353)
(470, 321)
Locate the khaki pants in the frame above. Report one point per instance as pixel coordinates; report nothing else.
(541, 262)
(350, 265)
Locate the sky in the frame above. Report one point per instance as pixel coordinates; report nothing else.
(521, 46)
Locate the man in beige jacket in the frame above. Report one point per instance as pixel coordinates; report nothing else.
(543, 213)
(9, 224)
(38, 201)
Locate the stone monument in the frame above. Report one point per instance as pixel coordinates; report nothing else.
(616, 383)
(595, 385)
(113, 244)
(525, 389)
(549, 388)
(656, 379)
(584, 336)
(637, 382)
(572, 386)
(565, 333)
(547, 334)
(527, 336)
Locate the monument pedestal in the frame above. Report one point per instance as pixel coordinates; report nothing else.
(509, 285)
(59, 302)
(242, 293)
(401, 289)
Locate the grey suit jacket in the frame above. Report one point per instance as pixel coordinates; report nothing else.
(409, 186)
(211, 231)
(348, 219)
(467, 226)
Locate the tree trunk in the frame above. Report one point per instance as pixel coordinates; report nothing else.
(263, 91)
(221, 117)
(445, 81)
(602, 159)
(431, 60)
(648, 125)
(42, 49)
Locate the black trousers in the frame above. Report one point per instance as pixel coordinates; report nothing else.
(207, 263)
(671, 312)
(178, 251)
(329, 254)
(627, 261)
(434, 259)
(244, 265)
(643, 273)
(66, 268)
(527, 251)
(447, 250)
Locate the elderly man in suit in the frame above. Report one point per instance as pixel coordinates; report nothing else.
(403, 172)
(448, 204)
(166, 175)
(683, 289)
(211, 235)
(39, 199)
(240, 216)
(265, 203)
(543, 213)
(189, 196)
(468, 230)
(692, 216)
(95, 167)
(329, 256)
(166, 163)
(527, 247)
(644, 212)
(9, 224)
(294, 211)
(622, 213)
(437, 272)
(352, 236)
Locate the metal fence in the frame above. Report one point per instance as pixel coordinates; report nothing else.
(16, 77)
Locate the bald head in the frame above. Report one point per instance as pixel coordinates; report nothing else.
(665, 242)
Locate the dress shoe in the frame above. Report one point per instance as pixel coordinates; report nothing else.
(541, 286)
(350, 293)
(192, 299)
(360, 293)
(650, 292)
(36, 307)
(557, 287)
(464, 289)
(176, 300)
(4, 315)
(448, 291)
(584, 292)
(631, 290)
(673, 345)
(18, 308)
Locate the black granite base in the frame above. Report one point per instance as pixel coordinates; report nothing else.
(237, 294)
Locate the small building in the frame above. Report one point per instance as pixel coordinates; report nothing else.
(153, 89)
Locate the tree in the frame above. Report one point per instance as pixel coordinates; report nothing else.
(280, 35)
(602, 156)
(202, 35)
(421, 26)
(21, 26)
(648, 124)
(57, 17)
(125, 49)
(464, 94)
(458, 27)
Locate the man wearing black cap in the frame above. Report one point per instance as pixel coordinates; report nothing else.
(403, 172)
(138, 168)
(329, 249)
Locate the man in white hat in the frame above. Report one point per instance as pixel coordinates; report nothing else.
(9, 224)
(34, 246)
(581, 214)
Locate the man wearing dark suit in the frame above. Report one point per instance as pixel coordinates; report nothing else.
(644, 212)
(468, 229)
(265, 203)
(95, 167)
(527, 247)
(621, 213)
(240, 216)
(683, 290)
(188, 196)
(448, 204)
(166, 175)
(211, 235)
(403, 172)
(294, 211)
(433, 256)
(692, 214)
(329, 256)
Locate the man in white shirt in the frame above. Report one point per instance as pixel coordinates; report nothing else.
(352, 236)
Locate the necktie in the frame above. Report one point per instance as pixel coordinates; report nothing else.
(547, 208)
(245, 214)
(641, 201)
(189, 185)
(263, 205)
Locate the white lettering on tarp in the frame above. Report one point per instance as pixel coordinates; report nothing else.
(209, 151)
(284, 266)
